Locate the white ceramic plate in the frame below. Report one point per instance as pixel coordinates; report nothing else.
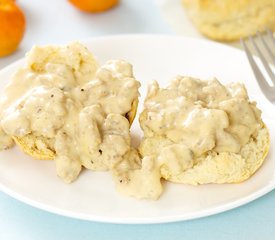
(92, 196)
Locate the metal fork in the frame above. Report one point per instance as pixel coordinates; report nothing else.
(264, 46)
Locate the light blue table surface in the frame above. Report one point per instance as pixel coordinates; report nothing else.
(57, 22)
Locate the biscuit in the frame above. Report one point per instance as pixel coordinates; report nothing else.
(203, 132)
(229, 20)
(215, 167)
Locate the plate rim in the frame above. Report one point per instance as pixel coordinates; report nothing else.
(148, 220)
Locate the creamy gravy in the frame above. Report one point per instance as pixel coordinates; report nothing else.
(185, 121)
(62, 94)
(203, 115)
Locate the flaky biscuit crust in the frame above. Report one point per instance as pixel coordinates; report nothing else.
(229, 20)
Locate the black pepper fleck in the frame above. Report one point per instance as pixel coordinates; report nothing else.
(52, 95)
(120, 181)
(100, 151)
(82, 90)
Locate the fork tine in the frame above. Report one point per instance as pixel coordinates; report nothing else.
(264, 62)
(268, 50)
(259, 76)
(270, 34)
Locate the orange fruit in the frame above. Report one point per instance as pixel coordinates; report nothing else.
(94, 5)
(12, 26)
